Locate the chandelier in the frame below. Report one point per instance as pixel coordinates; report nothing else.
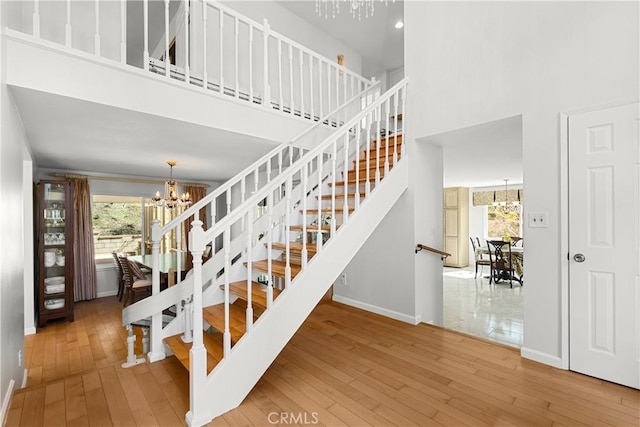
(356, 7)
(171, 198)
(505, 205)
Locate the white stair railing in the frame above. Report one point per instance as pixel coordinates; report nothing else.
(227, 198)
(199, 43)
(310, 176)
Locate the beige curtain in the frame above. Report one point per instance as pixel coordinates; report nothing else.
(84, 279)
(196, 193)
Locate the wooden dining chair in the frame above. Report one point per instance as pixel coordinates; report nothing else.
(135, 282)
(120, 275)
(480, 259)
(500, 261)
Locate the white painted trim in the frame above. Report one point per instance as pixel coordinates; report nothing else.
(25, 377)
(563, 222)
(29, 331)
(538, 356)
(414, 320)
(6, 402)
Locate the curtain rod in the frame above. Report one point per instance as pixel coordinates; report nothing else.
(119, 179)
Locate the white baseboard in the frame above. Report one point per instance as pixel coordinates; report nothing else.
(25, 377)
(541, 357)
(107, 293)
(29, 331)
(6, 402)
(414, 320)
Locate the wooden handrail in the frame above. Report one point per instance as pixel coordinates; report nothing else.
(442, 254)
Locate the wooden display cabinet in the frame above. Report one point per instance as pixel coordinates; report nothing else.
(54, 253)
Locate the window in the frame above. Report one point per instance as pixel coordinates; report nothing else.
(501, 224)
(117, 225)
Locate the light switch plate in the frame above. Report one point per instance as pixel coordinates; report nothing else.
(538, 220)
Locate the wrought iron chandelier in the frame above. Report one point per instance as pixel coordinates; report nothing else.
(505, 205)
(171, 198)
(358, 8)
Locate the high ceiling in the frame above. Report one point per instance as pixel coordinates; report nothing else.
(374, 38)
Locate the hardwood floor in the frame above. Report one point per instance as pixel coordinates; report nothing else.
(343, 367)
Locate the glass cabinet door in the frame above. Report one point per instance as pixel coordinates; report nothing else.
(55, 278)
(54, 245)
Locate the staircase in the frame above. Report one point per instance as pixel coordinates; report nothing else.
(277, 253)
(283, 229)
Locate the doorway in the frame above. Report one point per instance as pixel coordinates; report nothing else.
(480, 158)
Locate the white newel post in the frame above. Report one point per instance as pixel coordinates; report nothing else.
(198, 353)
(157, 349)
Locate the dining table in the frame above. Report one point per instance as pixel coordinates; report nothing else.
(168, 264)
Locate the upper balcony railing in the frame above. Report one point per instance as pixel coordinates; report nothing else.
(199, 43)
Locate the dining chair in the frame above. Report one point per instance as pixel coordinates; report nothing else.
(500, 261)
(515, 240)
(480, 259)
(120, 275)
(134, 280)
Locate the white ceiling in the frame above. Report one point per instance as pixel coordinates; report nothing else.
(71, 134)
(483, 155)
(374, 38)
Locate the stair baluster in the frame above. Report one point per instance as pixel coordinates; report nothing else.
(269, 249)
(227, 278)
(249, 312)
(287, 230)
(188, 318)
(132, 360)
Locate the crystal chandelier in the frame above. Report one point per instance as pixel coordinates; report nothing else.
(356, 7)
(505, 206)
(171, 198)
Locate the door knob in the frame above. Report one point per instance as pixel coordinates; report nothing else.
(578, 258)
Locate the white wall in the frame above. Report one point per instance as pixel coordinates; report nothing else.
(53, 18)
(292, 26)
(474, 62)
(12, 250)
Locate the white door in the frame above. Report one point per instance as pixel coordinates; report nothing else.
(604, 237)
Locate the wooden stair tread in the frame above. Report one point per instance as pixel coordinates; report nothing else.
(325, 210)
(312, 227)
(277, 267)
(294, 247)
(372, 159)
(361, 180)
(214, 316)
(393, 137)
(258, 292)
(212, 343)
(340, 195)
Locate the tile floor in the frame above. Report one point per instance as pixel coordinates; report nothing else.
(475, 307)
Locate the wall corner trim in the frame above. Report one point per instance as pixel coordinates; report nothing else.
(414, 320)
(6, 402)
(545, 358)
(29, 331)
